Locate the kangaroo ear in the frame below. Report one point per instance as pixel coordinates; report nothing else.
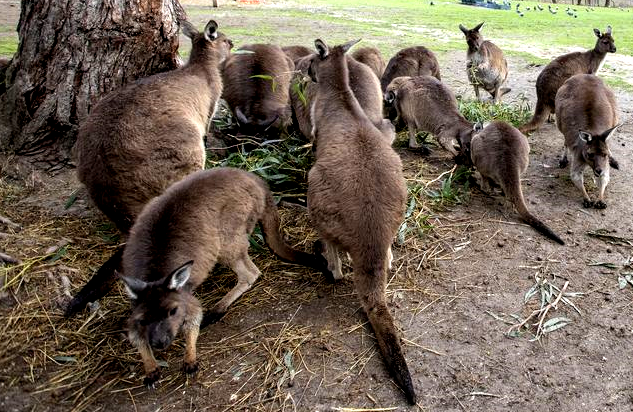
(188, 29)
(479, 26)
(211, 30)
(608, 30)
(607, 134)
(584, 136)
(322, 48)
(133, 286)
(463, 29)
(596, 32)
(180, 276)
(349, 45)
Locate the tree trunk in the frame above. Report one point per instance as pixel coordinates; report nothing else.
(71, 53)
(607, 3)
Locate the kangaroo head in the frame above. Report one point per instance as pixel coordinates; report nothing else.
(596, 150)
(326, 58)
(208, 44)
(474, 39)
(605, 43)
(392, 90)
(464, 138)
(158, 308)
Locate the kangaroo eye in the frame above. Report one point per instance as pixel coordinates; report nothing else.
(173, 311)
(143, 322)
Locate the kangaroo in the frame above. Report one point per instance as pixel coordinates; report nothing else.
(372, 57)
(178, 238)
(296, 52)
(500, 152)
(364, 84)
(412, 61)
(356, 197)
(141, 138)
(562, 68)
(486, 65)
(425, 103)
(256, 87)
(587, 115)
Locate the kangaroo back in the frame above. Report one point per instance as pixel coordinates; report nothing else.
(412, 61)
(371, 57)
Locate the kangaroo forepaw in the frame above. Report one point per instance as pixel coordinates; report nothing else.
(151, 379)
(587, 203)
(563, 163)
(191, 368)
(600, 204)
(614, 163)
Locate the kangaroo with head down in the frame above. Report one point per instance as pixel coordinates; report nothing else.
(356, 197)
(587, 115)
(296, 52)
(486, 65)
(372, 57)
(141, 138)
(256, 83)
(363, 82)
(179, 237)
(562, 68)
(500, 152)
(426, 104)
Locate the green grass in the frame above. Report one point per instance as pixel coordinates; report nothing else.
(8, 45)
(476, 111)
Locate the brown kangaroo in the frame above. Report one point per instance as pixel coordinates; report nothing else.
(356, 197)
(425, 103)
(486, 65)
(296, 52)
(141, 138)
(256, 87)
(587, 115)
(412, 61)
(500, 152)
(372, 57)
(364, 84)
(562, 68)
(176, 241)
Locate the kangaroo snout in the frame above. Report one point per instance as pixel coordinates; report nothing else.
(160, 342)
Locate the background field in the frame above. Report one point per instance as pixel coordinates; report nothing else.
(466, 273)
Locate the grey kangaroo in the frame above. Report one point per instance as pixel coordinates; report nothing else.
(372, 57)
(141, 138)
(500, 152)
(486, 65)
(587, 115)
(356, 197)
(176, 241)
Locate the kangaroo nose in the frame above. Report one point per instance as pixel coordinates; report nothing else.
(597, 171)
(161, 343)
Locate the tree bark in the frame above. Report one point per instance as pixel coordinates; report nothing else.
(70, 53)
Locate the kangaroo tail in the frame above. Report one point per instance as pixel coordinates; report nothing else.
(370, 284)
(99, 285)
(541, 227)
(274, 239)
(540, 114)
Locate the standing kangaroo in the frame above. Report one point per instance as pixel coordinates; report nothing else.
(179, 237)
(562, 68)
(356, 197)
(587, 115)
(425, 103)
(486, 65)
(500, 152)
(141, 138)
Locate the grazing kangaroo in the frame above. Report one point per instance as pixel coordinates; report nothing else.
(364, 84)
(256, 87)
(141, 138)
(179, 237)
(296, 52)
(372, 57)
(562, 68)
(500, 153)
(425, 103)
(587, 115)
(412, 61)
(356, 197)
(486, 65)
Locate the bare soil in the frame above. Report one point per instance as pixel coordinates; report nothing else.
(448, 291)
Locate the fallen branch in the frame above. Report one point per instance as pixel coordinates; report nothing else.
(9, 259)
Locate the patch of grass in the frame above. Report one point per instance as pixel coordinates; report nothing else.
(8, 45)
(453, 189)
(476, 111)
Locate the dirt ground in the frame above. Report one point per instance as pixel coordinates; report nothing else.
(295, 342)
